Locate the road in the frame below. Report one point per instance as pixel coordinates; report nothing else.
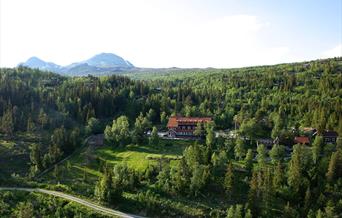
(74, 199)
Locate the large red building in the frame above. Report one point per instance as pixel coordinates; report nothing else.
(184, 127)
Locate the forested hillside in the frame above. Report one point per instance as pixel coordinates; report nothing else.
(45, 117)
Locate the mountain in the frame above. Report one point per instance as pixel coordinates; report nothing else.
(104, 63)
(35, 62)
(108, 60)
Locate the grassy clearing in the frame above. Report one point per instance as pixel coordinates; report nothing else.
(81, 173)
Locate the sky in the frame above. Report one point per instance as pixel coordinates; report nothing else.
(171, 33)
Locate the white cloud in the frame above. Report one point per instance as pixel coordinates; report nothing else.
(148, 34)
(334, 52)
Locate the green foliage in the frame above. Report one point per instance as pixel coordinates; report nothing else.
(239, 149)
(262, 155)
(229, 179)
(118, 133)
(93, 126)
(277, 153)
(249, 160)
(317, 148)
(199, 179)
(154, 139)
(261, 102)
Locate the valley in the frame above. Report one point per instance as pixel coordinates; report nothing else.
(259, 141)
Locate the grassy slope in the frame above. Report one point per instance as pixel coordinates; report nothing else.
(84, 171)
(84, 168)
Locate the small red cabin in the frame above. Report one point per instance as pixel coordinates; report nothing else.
(302, 140)
(184, 127)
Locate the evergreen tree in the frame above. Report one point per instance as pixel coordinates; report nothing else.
(7, 124)
(249, 160)
(278, 177)
(253, 194)
(93, 126)
(154, 139)
(199, 178)
(332, 167)
(24, 210)
(229, 179)
(105, 189)
(295, 170)
(317, 148)
(210, 136)
(277, 153)
(36, 159)
(138, 135)
(262, 154)
(30, 124)
(43, 118)
(239, 149)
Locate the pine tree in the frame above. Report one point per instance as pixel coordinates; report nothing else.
(249, 160)
(7, 124)
(253, 194)
(332, 167)
(238, 211)
(261, 156)
(30, 124)
(239, 149)
(42, 118)
(278, 177)
(277, 153)
(295, 170)
(317, 148)
(231, 212)
(104, 188)
(36, 159)
(210, 137)
(307, 200)
(248, 214)
(138, 134)
(154, 139)
(56, 172)
(229, 179)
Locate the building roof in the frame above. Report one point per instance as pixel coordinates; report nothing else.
(174, 121)
(302, 140)
(308, 129)
(329, 133)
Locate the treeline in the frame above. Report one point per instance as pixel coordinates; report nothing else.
(256, 183)
(271, 100)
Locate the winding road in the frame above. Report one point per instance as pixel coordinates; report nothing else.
(74, 199)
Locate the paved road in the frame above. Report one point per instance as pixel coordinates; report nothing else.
(75, 199)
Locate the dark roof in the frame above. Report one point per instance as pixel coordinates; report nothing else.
(329, 133)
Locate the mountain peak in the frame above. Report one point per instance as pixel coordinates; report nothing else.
(108, 60)
(35, 60)
(100, 63)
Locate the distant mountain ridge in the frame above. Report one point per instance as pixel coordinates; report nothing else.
(103, 63)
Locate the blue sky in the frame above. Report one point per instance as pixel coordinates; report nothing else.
(167, 33)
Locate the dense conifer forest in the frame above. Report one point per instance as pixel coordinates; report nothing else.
(229, 172)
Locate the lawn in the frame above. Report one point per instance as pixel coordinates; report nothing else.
(139, 157)
(81, 172)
